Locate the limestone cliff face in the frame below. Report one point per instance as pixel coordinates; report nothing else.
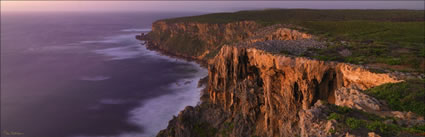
(253, 92)
(268, 90)
(197, 40)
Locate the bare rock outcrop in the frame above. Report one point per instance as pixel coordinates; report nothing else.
(313, 122)
(287, 85)
(373, 134)
(277, 32)
(354, 98)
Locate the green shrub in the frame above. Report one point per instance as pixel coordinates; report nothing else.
(343, 109)
(374, 125)
(403, 96)
(420, 128)
(389, 60)
(204, 130)
(389, 129)
(332, 131)
(354, 123)
(335, 116)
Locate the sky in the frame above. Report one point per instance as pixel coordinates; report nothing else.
(200, 6)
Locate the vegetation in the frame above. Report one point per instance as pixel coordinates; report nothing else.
(391, 45)
(335, 116)
(204, 130)
(297, 16)
(355, 123)
(332, 131)
(390, 39)
(404, 96)
(227, 130)
(356, 120)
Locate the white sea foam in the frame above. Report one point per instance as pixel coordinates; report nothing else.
(134, 50)
(129, 48)
(94, 78)
(124, 38)
(137, 30)
(154, 114)
(119, 53)
(59, 48)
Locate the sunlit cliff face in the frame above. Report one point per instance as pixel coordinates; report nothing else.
(262, 91)
(197, 40)
(272, 88)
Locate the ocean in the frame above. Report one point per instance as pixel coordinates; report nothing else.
(76, 74)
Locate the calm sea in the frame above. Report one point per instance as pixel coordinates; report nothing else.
(84, 75)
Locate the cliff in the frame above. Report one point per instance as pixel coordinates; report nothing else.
(264, 81)
(388, 39)
(252, 92)
(198, 41)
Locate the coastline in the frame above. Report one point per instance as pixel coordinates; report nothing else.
(153, 114)
(202, 83)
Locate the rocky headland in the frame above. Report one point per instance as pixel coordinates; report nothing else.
(264, 80)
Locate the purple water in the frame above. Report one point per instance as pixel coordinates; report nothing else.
(84, 75)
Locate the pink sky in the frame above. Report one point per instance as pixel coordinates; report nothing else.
(205, 6)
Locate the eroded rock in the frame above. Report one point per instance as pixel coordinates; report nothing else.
(354, 98)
